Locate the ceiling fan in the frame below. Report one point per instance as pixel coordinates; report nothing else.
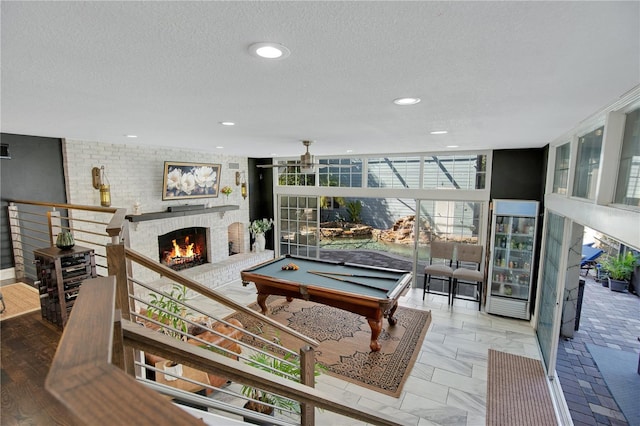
(306, 163)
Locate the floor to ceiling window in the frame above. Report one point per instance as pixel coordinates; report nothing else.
(391, 204)
(552, 264)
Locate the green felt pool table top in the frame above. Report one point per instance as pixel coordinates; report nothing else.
(359, 279)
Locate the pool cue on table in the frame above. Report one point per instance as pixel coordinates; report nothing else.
(348, 281)
(354, 275)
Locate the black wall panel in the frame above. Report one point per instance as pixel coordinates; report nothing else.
(260, 198)
(519, 174)
(34, 171)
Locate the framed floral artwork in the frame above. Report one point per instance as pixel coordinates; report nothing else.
(190, 180)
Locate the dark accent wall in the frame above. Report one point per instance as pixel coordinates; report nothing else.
(34, 172)
(261, 194)
(521, 174)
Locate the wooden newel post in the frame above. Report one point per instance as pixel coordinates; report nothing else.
(117, 354)
(117, 266)
(307, 377)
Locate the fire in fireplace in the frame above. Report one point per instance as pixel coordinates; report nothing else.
(183, 248)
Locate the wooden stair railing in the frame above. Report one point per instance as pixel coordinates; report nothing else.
(84, 377)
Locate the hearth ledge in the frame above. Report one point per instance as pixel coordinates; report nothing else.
(222, 272)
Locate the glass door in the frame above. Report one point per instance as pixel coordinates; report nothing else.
(549, 306)
(298, 220)
(513, 253)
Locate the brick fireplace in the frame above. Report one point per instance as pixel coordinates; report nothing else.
(227, 245)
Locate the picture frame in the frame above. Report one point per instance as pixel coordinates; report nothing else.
(190, 180)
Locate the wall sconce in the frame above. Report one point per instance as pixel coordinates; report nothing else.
(100, 181)
(243, 187)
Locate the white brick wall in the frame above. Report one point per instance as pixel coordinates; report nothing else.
(135, 174)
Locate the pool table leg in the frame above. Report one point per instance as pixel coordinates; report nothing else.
(376, 328)
(393, 320)
(262, 302)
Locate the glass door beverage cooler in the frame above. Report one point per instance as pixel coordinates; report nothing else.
(513, 237)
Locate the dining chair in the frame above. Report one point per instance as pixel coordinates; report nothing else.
(440, 266)
(468, 256)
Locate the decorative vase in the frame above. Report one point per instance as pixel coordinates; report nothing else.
(172, 368)
(260, 242)
(65, 240)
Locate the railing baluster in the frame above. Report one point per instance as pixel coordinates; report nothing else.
(54, 224)
(18, 253)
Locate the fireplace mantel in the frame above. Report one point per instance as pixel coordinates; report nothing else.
(167, 214)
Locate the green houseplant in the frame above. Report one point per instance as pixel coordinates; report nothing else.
(286, 367)
(260, 226)
(619, 269)
(257, 228)
(172, 313)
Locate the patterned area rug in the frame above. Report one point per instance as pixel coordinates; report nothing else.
(344, 341)
(18, 299)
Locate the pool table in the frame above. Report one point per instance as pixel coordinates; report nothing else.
(369, 291)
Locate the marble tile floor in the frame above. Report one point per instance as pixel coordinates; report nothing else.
(609, 319)
(448, 382)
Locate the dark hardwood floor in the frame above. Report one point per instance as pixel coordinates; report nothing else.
(28, 345)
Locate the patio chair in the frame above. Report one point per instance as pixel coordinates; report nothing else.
(589, 256)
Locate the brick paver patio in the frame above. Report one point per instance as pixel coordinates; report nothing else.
(608, 319)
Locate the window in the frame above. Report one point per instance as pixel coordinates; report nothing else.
(291, 175)
(561, 170)
(455, 172)
(451, 220)
(628, 186)
(588, 164)
(393, 172)
(344, 172)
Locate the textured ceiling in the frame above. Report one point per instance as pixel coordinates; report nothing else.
(494, 74)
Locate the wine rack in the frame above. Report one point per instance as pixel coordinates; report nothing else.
(60, 275)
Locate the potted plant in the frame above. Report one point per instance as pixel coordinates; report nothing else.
(286, 367)
(172, 313)
(619, 269)
(257, 228)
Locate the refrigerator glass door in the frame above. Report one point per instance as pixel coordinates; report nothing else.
(513, 253)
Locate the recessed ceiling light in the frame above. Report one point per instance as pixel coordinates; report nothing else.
(349, 151)
(131, 136)
(227, 123)
(406, 101)
(269, 50)
(219, 147)
(439, 132)
(453, 146)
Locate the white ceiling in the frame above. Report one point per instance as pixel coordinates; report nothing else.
(494, 74)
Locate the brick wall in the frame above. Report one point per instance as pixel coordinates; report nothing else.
(135, 174)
